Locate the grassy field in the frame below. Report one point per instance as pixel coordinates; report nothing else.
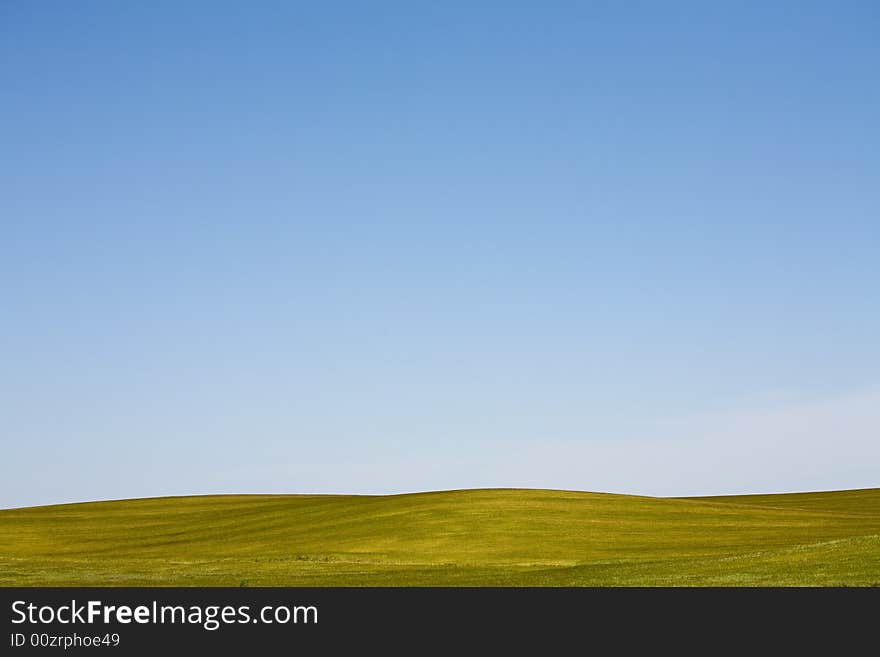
(504, 537)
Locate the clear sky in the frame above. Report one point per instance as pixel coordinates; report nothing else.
(395, 246)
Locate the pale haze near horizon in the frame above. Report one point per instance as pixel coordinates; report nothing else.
(275, 248)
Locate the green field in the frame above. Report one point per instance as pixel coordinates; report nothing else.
(494, 537)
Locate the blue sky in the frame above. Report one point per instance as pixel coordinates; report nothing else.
(380, 247)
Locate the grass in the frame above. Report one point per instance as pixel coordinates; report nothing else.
(495, 537)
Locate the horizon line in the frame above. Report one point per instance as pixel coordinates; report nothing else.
(430, 492)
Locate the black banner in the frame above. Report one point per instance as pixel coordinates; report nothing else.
(133, 621)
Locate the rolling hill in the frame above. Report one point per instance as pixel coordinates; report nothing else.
(491, 537)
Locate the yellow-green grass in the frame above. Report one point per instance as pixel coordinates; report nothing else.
(496, 537)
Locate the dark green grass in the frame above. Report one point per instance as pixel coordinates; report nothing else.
(471, 537)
